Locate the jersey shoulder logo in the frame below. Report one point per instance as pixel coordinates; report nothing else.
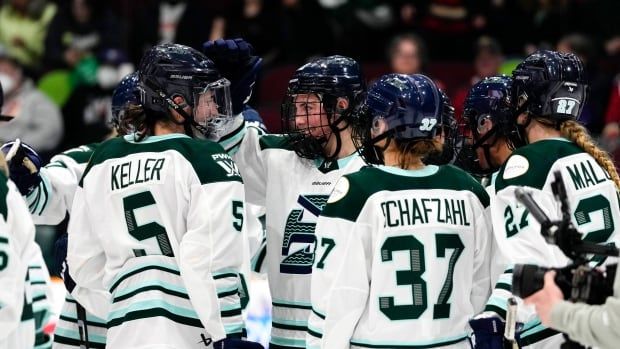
(227, 163)
(516, 166)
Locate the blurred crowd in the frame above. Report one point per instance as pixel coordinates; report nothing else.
(61, 59)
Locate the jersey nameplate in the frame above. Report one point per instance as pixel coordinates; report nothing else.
(136, 171)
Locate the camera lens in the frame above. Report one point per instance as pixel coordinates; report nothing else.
(527, 279)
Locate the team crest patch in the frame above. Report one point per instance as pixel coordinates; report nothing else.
(340, 190)
(516, 166)
(227, 163)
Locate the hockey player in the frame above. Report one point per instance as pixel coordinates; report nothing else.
(403, 248)
(292, 176)
(49, 192)
(488, 136)
(17, 251)
(549, 91)
(162, 214)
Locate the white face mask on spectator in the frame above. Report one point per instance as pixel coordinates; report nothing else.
(8, 83)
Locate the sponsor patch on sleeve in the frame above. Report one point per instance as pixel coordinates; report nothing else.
(516, 166)
(340, 190)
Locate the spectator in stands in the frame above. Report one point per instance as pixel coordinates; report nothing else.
(487, 62)
(37, 120)
(593, 114)
(80, 31)
(610, 136)
(23, 26)
(407, 54)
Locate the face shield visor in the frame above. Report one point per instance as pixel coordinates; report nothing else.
(213, 108)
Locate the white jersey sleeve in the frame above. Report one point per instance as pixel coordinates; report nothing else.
(52, 199)
(16, 248)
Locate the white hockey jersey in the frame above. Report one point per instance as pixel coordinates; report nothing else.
(402, 260)
(592, 196)
(17, 249)
(293, 191)
(163, 220)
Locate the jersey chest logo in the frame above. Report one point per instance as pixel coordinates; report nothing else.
(299, 235)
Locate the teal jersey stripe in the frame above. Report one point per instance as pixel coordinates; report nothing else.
(75, 334)
(150, 304)
(289, 325)
(164, 287)
(167, 268)
(421, 345)
(288, 342)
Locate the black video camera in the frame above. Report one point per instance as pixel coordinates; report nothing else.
(578, 281)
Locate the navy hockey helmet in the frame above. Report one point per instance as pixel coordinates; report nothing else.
(168, 71)
(412, 107)
(488, 101)
(550, 84)
(126, 93)
(313, 93)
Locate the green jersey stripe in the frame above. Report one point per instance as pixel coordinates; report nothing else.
(139, 270)
(75, 342)
(88, 322)
(150, 288)
(149, 313)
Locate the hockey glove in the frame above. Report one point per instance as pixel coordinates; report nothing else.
(235, 59)
(235, 343)
(24, 165)
(489, 332)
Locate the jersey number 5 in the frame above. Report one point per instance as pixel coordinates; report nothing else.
(413, 276)
(142, 232)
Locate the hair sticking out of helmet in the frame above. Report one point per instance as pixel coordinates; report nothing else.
(447, 135)
(550, 85)
(487, 119)
(319, 103)
(170, 71)
(404, 109)
(125, 95)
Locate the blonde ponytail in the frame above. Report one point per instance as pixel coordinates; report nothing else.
(575, 132)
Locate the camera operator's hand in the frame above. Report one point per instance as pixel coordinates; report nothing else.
(545, 299)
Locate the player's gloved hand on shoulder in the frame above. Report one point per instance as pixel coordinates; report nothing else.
(24, 165)
(235, 60)
(489, 332)
(236, 343)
